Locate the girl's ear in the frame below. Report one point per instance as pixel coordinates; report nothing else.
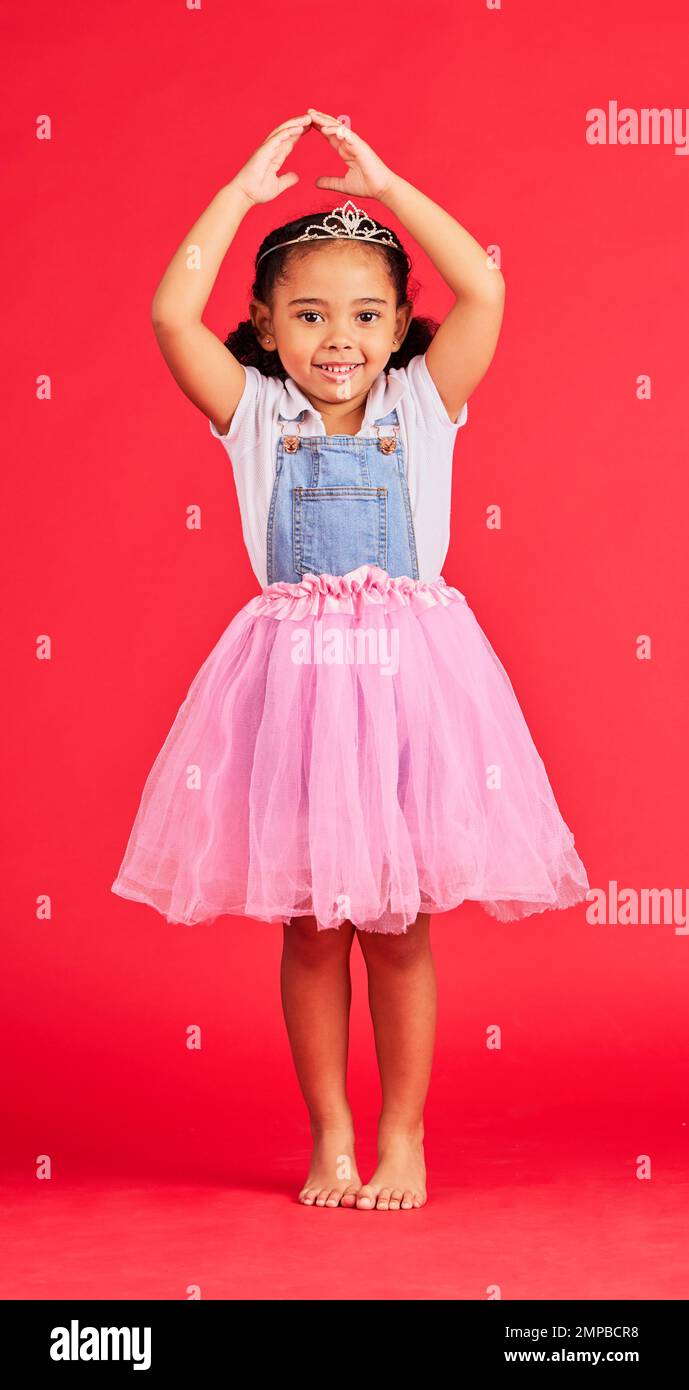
(261, 319)
(402, 321)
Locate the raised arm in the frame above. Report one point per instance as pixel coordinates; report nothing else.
(464, 344)
(200, 363)
(208, 373)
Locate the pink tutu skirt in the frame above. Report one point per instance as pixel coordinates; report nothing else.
(352, 749)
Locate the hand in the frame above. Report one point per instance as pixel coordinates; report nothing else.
(367, 176)
(258, 179)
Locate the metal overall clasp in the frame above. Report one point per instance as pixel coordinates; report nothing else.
(290, 442)
(387, 442)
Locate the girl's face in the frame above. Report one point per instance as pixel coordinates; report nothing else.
(335, 310)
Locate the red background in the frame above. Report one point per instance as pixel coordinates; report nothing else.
(172, 1167)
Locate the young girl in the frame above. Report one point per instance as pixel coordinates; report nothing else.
(351, 757)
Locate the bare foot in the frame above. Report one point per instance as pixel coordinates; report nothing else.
(399, 1181)
(333, 1178)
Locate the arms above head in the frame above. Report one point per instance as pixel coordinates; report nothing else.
(464, 344)
(208, 373)
(200, 363)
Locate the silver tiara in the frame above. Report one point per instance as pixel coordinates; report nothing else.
(346, 221)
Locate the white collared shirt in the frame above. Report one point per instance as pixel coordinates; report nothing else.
(426, 431)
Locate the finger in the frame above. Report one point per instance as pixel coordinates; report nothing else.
(321, 119)
(292, 133)
(295, 124)
(286, 181)
(280, 150)
(344, 152)
(301, 121)
(346, 148)
(282, 145)
(289, 133)
(320, 115)
(337, 185)
(344, 144)
(344, 132)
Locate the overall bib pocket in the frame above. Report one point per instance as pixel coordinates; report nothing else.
(336, 529)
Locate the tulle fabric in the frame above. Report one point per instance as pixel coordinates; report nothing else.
(307, 775)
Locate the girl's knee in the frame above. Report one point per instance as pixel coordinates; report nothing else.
(396, 948)
(303, 934)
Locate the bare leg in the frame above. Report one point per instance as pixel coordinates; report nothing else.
(316, 993)
(402, 992)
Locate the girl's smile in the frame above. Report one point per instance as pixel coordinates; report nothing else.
(338, 370)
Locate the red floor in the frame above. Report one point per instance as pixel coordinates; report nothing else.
(507, 1209)
(175, 1167)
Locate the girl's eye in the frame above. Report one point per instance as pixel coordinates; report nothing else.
(309, 313)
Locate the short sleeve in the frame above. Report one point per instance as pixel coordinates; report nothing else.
(245, 411)
(426, 393)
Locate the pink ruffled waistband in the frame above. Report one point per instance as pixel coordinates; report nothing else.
(316, 594)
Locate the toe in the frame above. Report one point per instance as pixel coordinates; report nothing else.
(383, 1199)
(366, 1198)
(395, 1198)
(349, 1196)
(322, 1196)
(408, 1199)
(333, 1199)
(308, 1196)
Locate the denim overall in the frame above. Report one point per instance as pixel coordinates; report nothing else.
(339, 501)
